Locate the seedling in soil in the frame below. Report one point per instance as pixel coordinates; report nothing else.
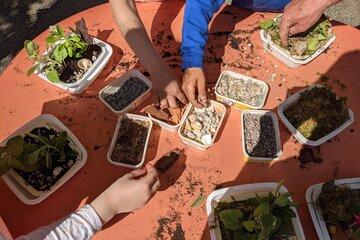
(317, 113)
(170, 116)
(69, 55)
(265, 217)
(202, 124)
(41, 157)
(259, 135)
(130, 144)
(340, 209)
(303, 44)
(249, 92)
(132, 88)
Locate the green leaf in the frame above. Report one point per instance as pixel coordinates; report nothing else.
(282, 200)
(312, 43)
(29, 148)
(198, 200)
(15, 146)
(52, 74)
(75, 38)
(15, 163)
(60, 53)
(268, 221)
(32, 49)
(241, 235)
(266, 24)
(59, 30)
(249, 225)
(34, 156)
(32, 69)
(231, 218)
(52, 39)
(70, 51)
(262, 209)
(78, 55)
(4, 168)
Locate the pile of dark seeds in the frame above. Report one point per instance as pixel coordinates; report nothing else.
(259, 132)
(127, 93)
(131, 140)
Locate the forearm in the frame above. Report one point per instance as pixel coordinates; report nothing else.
(132, 28)
(82, 224)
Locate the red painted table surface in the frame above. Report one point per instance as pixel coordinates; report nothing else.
(23, 98)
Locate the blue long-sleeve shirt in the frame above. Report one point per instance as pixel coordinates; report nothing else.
(198, 14)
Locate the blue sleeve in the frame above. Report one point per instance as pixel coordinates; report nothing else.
(198, 14)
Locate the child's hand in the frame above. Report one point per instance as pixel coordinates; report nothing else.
(127, 194)
(194, 86)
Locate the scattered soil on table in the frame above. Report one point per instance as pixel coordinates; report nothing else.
(71, 72)
(131, 140)
(259, 134)
(171, 227)
(127, 93)
(309, 155)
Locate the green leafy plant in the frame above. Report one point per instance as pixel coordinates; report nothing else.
(302, 44)
(340, 209)
(260, 218)
(317, 112)
(60, 46)
(35, 151)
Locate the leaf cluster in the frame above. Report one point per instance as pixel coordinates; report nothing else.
(314, 37)
(260, 218)
(61, 46)
(35, 151)
(338, 206)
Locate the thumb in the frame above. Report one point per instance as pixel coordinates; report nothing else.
(201, 83)
(136, 173)
(284, 30)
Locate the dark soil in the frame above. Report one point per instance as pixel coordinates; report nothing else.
(309, 155)
(171, 227)
(259, 133)
(71, 72)
(44, 179)
(127, 93)
(130, 143)
(166, 161)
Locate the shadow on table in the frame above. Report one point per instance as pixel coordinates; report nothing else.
(342, 78)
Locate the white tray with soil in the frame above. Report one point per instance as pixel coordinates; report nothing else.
(260, 136)
(303, 48)
(315, 115)
(199, 127)
(48, 166)
(130, 141)
(73, 60)
(227, 207)
(338, 201)
(240, 91)
(126, 92)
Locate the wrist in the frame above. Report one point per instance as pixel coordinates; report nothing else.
(103, 208)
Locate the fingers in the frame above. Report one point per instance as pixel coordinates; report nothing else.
(155, 187)
(191, 94)
(151, 177)
(182, 98)
(202, 91)
(172, 102)
(164, 103)
(136, 173)
(285, 26)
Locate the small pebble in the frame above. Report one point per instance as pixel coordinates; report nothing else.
(57, 171)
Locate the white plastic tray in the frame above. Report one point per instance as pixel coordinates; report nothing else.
(286, 57)
(17, 184)
(292, 99)
(242, 192)
(90, 75)
(277, 136)
(238, 104)
(312, 194)
(219, 107)
(116, 133)
(117, 83)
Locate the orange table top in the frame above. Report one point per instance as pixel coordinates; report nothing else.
(23, 98)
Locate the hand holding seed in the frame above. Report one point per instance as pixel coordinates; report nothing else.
(194, 86)
(127, 194)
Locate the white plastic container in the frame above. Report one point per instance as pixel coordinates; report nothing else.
(115, 136)
(26, 193)
(312, 194)
(238, 104)
(90, 75)
(219, 108)
(247, 157)
(292, 99)
(285, 56)
(117, 83)
(164, 125)
(243, 192)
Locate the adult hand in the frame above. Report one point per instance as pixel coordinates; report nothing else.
(128, 193)
(194, 86)
(300, 15)
(167, 91)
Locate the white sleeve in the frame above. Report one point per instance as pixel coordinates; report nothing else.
(80, 225)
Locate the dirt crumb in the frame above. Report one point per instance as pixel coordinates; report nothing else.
(309, 155)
